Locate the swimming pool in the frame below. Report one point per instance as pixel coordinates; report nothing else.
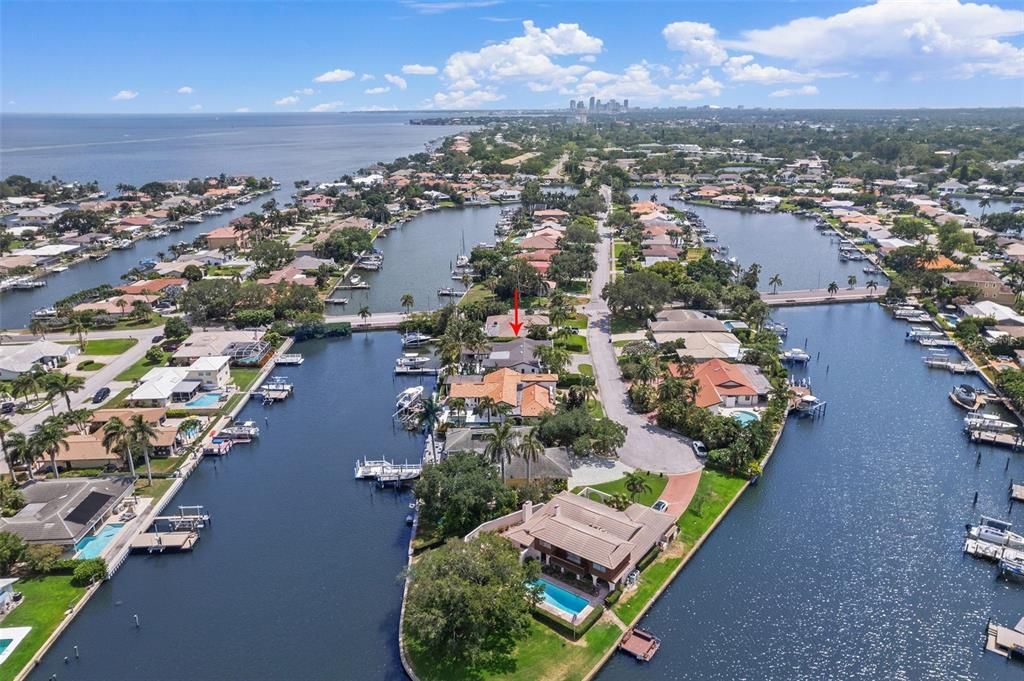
(204, 400)
(93, 545)
(745, 417)
(557, 597)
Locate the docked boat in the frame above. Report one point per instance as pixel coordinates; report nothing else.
(175, 227)
(355, 279)
(414, 339)
(988, 422)
(408, 398)
(448, 291)
(59, 268)
(796, 356)
(1008, 567)
(44, 312)
(710, 238)
(462, 261)
(228, 206)
(242, 431)
(918, 333)
(966, 396)
(292, 359)
(193, 219)
(807, 404)
(156, 234)
(996, 532)
(870, 269)
(779, 328)
(122, 244)
(99, 256)
(412, 360)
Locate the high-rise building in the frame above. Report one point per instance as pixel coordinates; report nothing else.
(572, 105)
(591, 102)
(625, 105)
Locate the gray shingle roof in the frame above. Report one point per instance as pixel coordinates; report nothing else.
(62, 511)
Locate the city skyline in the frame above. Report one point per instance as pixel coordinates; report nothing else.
(496, 55)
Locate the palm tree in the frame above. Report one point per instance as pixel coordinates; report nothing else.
(25, 384)
(430, 413)
(457, 406)
(364, 313)
(37, 327)
(500, 445)
(555, 359)
(18, 450)
(647, 369)
(833, 288)
(983, 204)
(530, 448)
(871, 285)
(408, 302)
(59, 383)
(587, 387)
(636, 484)
(77, 418)
(851, 280)
(189, 425)
(486, 406)
(142, 433)
(77, 326)
(5, 427)
(116, 437)
(775, 282)
(466, 280)
(49, 436)
(121, 303)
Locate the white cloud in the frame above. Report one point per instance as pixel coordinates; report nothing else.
(242, 109)
(790, 92)
(286, 101)
(441, 7)
(698, 41)
(365, 77)
(637, 83)
(397, 81)
(588, 59)
(459, 99)
(938, 37)
(419, 70)
(378, 90)
(334, 76)
(196, 107)
(305, 91)
(744, 69)
(327, 106)
(125, 95)
(185, 90)
(525, 58)
(705, 87)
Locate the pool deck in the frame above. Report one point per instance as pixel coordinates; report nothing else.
(563, 614)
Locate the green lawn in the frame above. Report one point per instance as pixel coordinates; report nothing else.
(656, 482)
(138, 370)
(118, 399)
(244, 377)
(578, 321)
(477, 293)
(693, 254)
(89, 365)
(626, 325)
(651, 579)
(154, 320)
(572, 343)
(164, 464)
(542, 656)
(714, 492)
(595, 409)
(159, 488)
(586, 370)
(46, 600)
(109, 346)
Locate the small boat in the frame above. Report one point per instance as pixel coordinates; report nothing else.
(355, 279)
(408, 397)
(59, 268)
(988, 422)
(292, 359)
(193, 219)
(807, 404)
(411, 359)
(448, 291)
(796, 356)
(965, 396)
(122, 244)
(996, 532)
(98, 256)
(917, 333)
(871, 270)
(45, 312)
(242, 431)
(1011, 568)
(175, 227)
(414, 339)
(228, 206)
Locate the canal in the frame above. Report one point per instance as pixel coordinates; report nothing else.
(298, 576)
(845, 561)
(418, 257)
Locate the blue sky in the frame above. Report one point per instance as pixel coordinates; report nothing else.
(176, 57)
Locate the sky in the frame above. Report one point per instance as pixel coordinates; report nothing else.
(260, 56)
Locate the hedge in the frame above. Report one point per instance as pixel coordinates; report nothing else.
(648, 559)
(566, 628)
(569, 380)
(613, 596)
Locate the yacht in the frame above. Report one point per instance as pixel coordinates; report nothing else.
(192, 219)
(807, 404)
(871, 269)
(448, 291)
(355, 279)
(923, 332)
(59, 268)
(411, 360)
(988, 422)
(966, 396)
(408, 397)
(45, 312)
(242, 431)
(415, 339)
(995, 532)
(228, 206)
(122, 244)
(796, 356)
(175, 226)
(462, 261)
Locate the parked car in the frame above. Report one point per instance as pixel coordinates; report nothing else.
(699, 449)
(156, 339)
(660, 505)
(101, 394)
(7, 408)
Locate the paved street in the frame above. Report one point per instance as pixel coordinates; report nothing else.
(647, 446)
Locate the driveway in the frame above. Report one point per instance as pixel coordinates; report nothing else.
(679, 492)
(647, 447)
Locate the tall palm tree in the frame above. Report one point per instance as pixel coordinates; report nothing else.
(17, 449)
(142, 434)
(775, 282)
(364, 313)
(25, 384)
(430, 413)
(501, 444)
(486, 406)
(408, 302)
(77, 418)
(636, 484)
(530, 448)
(59, 383)
(49, 437)
(587, 387)
(647, 369)
(851, 280)
(833, 288)
(189, 425)
(871, 285)
(457, 406)
(116, 437)
(5, 427)
(77, 326)
(983, 204)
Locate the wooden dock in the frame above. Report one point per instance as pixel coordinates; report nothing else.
(990, 551)
(421, 371)
(640, 644)
(1016, 491)
(1005, 641)
(1012, 440)
(161, 542)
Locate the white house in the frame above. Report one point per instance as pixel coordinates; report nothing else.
(19, 359)
(211, 372)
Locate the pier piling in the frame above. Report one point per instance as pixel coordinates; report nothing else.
(975, 502)
(136, 621)
(1007, 466)
(76, 652)
(977, 462)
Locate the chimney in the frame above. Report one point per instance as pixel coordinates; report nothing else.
(527, 510)
(554, 511)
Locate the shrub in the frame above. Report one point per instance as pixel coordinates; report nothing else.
(155, 355)
(568, 380)
(613, 597)
(42, 558)
(566, 628)
(89, 572)
(648, 559)
(12, 549)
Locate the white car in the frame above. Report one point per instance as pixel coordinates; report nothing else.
(660, 505)
(699, 449)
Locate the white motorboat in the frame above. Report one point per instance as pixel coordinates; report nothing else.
(412, 360)
(408, 398)
(228, 206)
(122, 244)
(242, 431)
(59, 268)
(995, 532)
(414, 339)
(45, 312)
(355, 279)
(796, 356)
(988, 422)
(807, 403)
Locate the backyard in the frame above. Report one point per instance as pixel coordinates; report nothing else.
(46, 599)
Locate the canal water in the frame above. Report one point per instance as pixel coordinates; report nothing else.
(418, 257)
(973, 205)
(845, 561)
(298, 576)
(138, 149)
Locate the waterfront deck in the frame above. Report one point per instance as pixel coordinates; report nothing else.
(384, 471)
(161, 542)
(1016, 491)
(1012, 440)
(1005, 641)
(640, 644)
(990, 551)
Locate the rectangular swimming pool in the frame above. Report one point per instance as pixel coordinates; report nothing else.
(204, 400)
(93, 545)
(566, 601)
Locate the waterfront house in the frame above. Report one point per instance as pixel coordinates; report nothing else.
(163, 286)
(722, 384)
(684, 321)
(317, 202)
(519, 355)
(1003, 315)
(703, 345)
(85, 451)
(161, 386)
(526, 395)
(987, 284)
(538, 242)
(19, 359)
(208, 344)
(552, 464)
(64, 511)
(500, 325)
(226, 237)
(951, 187)
(292, 275)
(154, 416)
(10, 263)
(49, 254)
(588, 538)
(118, 306)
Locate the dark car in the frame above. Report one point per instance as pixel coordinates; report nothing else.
(101, 394)
(7, 408)
(157, 339)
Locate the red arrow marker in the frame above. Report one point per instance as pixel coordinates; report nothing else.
(516, 324)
